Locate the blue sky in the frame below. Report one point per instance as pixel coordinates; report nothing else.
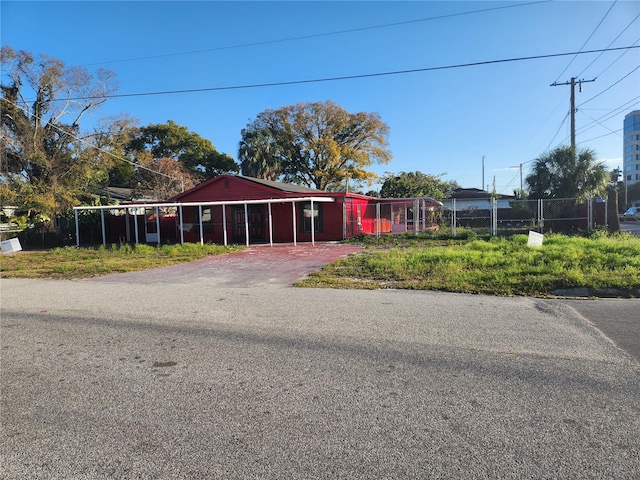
(441, 120)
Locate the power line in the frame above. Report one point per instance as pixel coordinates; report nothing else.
(610, 86)
(351, 77)
(611, 43)
(587, 40)
(319, 35)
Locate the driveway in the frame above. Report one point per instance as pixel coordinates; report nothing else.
(256, 266)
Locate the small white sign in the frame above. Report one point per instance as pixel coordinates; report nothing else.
(10, 246)
(535, 239)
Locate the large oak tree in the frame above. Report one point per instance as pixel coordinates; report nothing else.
(45, 165)
(318, 144)
(196, 155)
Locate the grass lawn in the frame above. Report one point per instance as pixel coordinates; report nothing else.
(71, 262)
(467, 263)
(498, 265)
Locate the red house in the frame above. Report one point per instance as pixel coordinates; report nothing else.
(244, 210)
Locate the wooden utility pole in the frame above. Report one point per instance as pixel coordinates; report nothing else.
(573, 82)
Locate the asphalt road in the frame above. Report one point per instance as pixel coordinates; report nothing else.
(631, 227)
(107, 379)
(618, 319)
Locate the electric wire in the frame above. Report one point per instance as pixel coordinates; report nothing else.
(318, 35)
(352, 77)
(587, 40)
(557, 131)
(609, 87)
(612, 113)
(611, 43)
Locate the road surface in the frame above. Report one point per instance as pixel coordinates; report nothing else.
(191, 379)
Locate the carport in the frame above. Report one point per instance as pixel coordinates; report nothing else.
(140, 209)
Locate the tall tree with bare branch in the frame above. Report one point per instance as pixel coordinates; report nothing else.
(46, 165)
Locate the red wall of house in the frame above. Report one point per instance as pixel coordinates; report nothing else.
(282, 224)
(230, 188)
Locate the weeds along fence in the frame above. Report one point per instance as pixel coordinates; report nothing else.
(483, 215)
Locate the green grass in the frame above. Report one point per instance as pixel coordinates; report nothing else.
(71, 262)
(465, 263)
(499, 265)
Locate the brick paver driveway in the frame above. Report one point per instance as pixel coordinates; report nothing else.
(257, 265)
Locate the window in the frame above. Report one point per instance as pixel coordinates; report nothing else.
(306, 215)
(207, 219)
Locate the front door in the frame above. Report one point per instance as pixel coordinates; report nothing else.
(255, 223)
(151, 225)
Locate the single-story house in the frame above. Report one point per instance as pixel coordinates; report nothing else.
(245, 210)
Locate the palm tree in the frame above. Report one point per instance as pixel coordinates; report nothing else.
(257, 155)
(565, 173)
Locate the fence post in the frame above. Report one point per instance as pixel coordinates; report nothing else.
(494, 217)
(540, 215)
(453, 217)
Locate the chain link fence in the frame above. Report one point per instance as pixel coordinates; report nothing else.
(481, 215)
(500, 217)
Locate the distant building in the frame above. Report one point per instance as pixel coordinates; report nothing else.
(631, 147)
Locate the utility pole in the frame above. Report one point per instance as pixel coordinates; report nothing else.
(573, 105)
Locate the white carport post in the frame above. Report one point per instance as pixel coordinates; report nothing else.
(135, 224)
(200, 217)
(270, 225)
(75, 214)
(224, 224)
(158, 223)
(293, 208)
(246, 223)
(104, 233)
(181, 225)
(313, 225)
(127, 227)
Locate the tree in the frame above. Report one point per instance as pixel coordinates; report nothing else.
(317, 144)
(565, 173)
(197, 155)
(46, 168)
(415, 184)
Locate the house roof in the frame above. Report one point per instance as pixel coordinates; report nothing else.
(129, 194)
(282, 187)
(473, 193)
(285, 187)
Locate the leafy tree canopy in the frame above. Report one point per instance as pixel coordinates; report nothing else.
(415, 184)
(565, 173)
(317, 144)
(46, 166)
(197, 155)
